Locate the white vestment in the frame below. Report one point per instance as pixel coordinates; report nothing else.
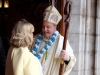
(52, 63)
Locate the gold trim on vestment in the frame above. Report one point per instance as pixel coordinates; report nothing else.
(44, 56)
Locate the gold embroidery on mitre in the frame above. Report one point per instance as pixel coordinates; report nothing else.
(53, 12)
(49, 13)
(54, 18)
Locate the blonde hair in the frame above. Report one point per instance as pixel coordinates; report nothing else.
(22, 34)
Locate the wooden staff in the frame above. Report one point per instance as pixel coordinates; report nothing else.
(67, 10)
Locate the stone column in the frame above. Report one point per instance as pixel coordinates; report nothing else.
(90, 37)
(76, 35)
(82, 35)
(97, 45)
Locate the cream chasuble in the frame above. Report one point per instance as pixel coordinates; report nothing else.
(51, 61)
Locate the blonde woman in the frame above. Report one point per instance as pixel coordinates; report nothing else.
(20, 61)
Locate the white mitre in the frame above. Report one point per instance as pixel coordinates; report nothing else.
(52, 15)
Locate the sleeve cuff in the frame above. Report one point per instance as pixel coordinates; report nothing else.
(66, 62)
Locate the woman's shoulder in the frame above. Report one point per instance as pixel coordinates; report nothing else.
(28, 54)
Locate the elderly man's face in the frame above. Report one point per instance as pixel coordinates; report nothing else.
(48, 29)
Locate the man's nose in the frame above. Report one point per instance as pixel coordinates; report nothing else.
(45, 28)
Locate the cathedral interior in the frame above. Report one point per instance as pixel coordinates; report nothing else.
(83, 34)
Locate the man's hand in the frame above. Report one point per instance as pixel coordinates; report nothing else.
(64, 55)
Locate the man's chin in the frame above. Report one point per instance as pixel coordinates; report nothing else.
(46, 36)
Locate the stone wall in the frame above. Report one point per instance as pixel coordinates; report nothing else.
(84, 36)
